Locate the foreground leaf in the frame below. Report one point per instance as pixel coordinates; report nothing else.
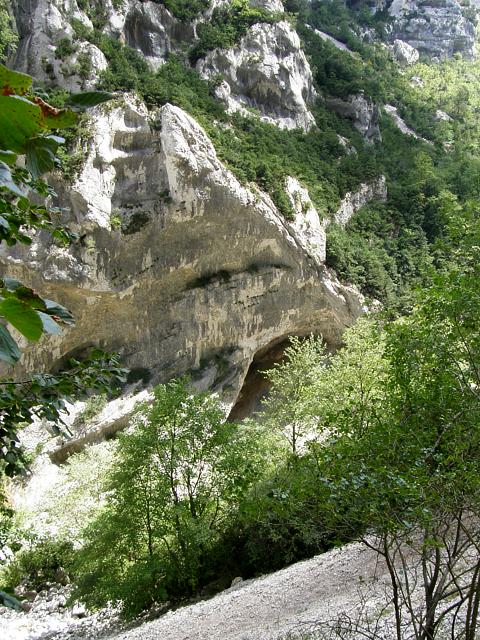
(22, 317)
(9, 351)
(89, 99)
(13, 81)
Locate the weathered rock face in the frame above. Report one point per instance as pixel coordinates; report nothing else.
(363, 113)
(146, 26)
(268, 71)
(205, 272)
(437, 28)
(404, 53)
(150, 28)
(401, 124)
(41, 25)
(353, 201)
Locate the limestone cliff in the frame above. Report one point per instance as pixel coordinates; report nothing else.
(179, 266)
(202, 273)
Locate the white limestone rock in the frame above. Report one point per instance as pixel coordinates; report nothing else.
(151, 29)
(363, 113)
(336, 43)
(353, 201)
(41, 24)
(268, 71)
(405, 53)
(274, 6)
(310, 230)
(210, 272)
(437, 28)
(442, 116)
(401, 124)
(144, 25)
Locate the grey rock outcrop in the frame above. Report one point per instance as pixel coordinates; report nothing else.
(363, 113)
(405, 53)
(355, 200)
(205, 272)
(150, 28)
(437, 28)
(401, 124)
(336, 43)
(267, 71)
(41, 25)
(146, 26)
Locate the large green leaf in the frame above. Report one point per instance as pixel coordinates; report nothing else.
(14, 288)
(53, 118)
(19, 121)
(6, 180)
(13, 81)
(9, 351)
(22, 119)
(89, 99)
(40, 155)
(23, 317)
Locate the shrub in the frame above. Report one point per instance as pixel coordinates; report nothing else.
(38, 564)
(64, 48)
(93, 406)
(228, 24)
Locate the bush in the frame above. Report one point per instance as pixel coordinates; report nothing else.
(64, 48)
(228, 24)
(93, 406)
(185, 10)
(38, 564)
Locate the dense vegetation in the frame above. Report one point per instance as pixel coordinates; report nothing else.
(389, 247)
(378, 442)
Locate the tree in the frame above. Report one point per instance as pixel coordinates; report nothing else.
(398, 450)
(286, 408)
(174, 482)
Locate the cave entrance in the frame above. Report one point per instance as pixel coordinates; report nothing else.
(256, 386)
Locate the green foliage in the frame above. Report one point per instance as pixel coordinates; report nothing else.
(170, 492)
(282, 520)
(397, 456)
(185, 10)
(64, 48)
(37, 564)
(8, 37)
(228, 24)
(93, 406)
(45, 396)
(76, 499)
(285, 406)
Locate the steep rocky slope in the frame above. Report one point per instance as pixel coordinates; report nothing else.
(286, 604)
(186, 263)
(189, 269)
(203, 271)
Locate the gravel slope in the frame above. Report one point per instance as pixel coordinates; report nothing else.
(270, 607)
(266, 608)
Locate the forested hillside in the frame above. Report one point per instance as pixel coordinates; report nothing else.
(261, 224)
